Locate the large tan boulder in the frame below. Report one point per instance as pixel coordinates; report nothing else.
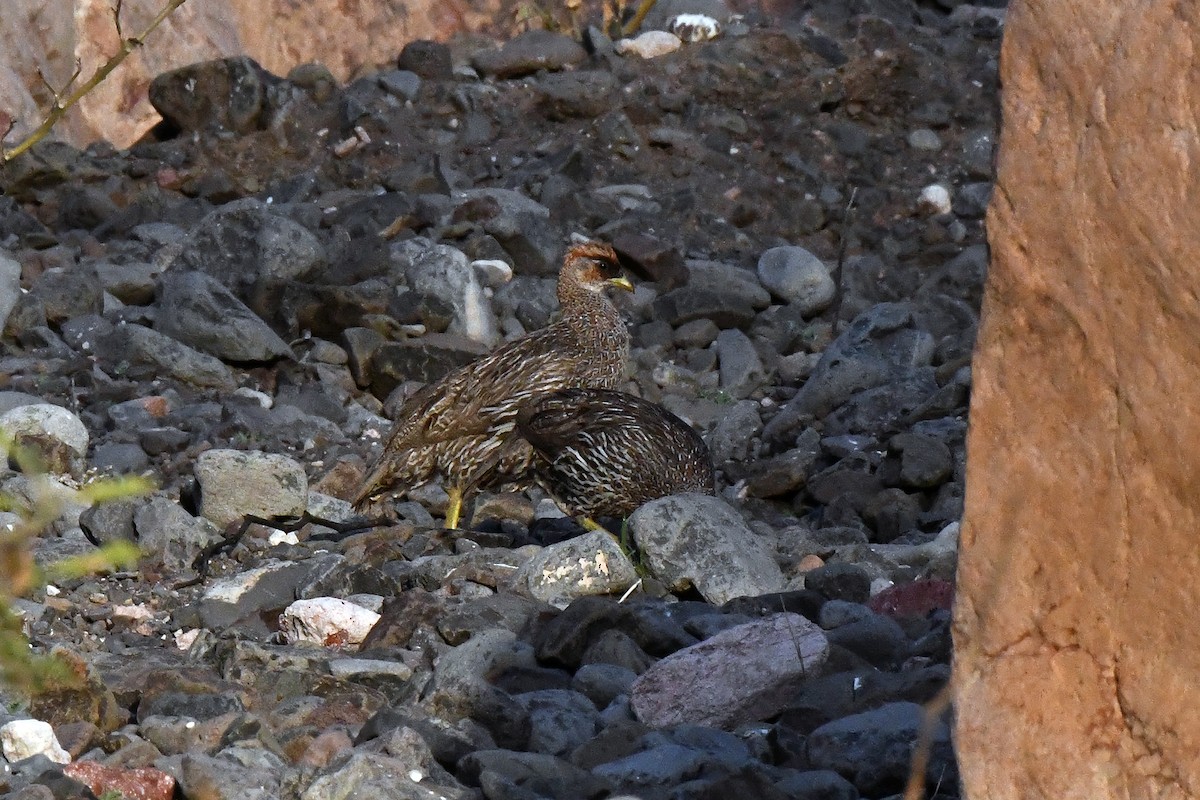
(1077, 647)
(279, 34)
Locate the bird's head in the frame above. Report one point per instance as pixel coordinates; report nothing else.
(593, 267)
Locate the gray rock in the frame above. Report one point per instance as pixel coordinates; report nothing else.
(743, 674)
(385, 777)
(817, 784)
(879, 346)
(110, 521)
(603, 683)
(695, 334)
(846, 444)
(169, 535)
(240, 599)
(697, 540)
(829, 697)
(979, 147)
(423, 359)
(199, 311)
(936, 556)
(723, 293)
(796, 276)
(925, 461)
(658, 260)
(10, 400)
(528, 53)
(234, 483)
(248, 247)
(223, 776)
(442, 272)
(924, 139)
(741, 369)
(503, 773)
(130, 282)
(874, 749)
(660, 16)
(428, 59)
(782, 474)
(971, 200)
(84, 332)
(731, 439)
(10, 286)
(840, 581)
(47, 420)
(850, 138)
(836, 613)
(402, 83)
(561, 720)
(566, 638)
(618, 649)
(119, 458)
(520, 225)
(583, 94)
(460, 690)
(585, 565)
(141, 350)
(882, 409)
(657, 768)
(68, 292)
(892, 513)
(877, 639)
(962, 278)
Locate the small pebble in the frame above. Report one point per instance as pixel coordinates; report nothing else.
(924, 139)
(935, 199)
(650, 44)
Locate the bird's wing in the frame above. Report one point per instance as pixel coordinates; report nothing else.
(476, 398)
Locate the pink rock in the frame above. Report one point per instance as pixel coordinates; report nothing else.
(142, 783)
(345, 37)
(742, 674)
(1076, 647)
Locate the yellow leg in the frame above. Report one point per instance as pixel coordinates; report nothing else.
(590, 524)
(454, 507)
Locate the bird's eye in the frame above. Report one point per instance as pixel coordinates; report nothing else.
(608, 268)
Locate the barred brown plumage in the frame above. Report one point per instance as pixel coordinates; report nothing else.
(604, 453)
(460, 427)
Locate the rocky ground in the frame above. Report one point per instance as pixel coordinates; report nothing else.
(233, 305)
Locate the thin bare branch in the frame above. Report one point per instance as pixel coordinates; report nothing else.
(931, 716)
(128, 45)
(116, 12)
(638, 18)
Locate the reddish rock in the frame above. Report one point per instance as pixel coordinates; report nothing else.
(143, 783)
(1076, 648)
(325, 747)
(914, 599)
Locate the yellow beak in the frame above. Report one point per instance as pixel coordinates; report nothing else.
(621, 283)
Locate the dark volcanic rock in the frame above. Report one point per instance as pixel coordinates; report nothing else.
(528, 53)
(200, 312)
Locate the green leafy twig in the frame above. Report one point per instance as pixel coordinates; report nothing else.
(63, 101)
(20, 668)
